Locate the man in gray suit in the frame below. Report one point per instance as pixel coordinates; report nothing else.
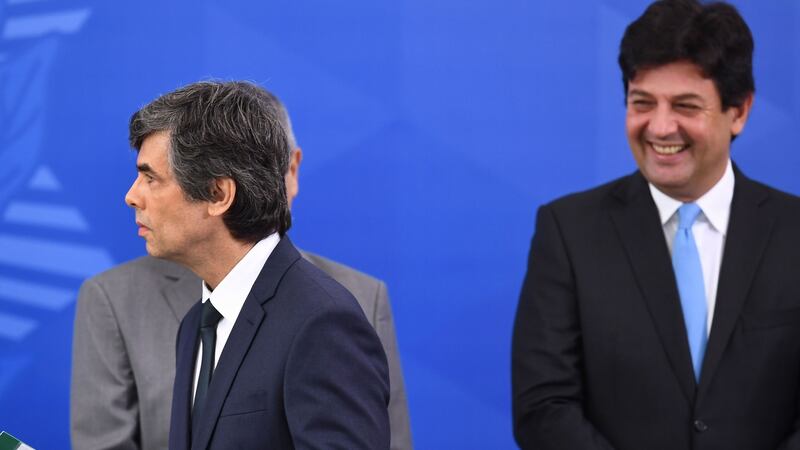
(123, 361)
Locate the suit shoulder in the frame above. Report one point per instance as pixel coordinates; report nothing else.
(595, 197)
(144, 266)
(780, 204)
(316, 289)
(143, 272)
(334, 268)
(782, 198)
(354, 280)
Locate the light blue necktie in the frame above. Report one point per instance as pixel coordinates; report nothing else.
(689, 275)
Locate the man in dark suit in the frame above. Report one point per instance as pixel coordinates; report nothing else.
(277, 354)
(662, 310)
(124, 342)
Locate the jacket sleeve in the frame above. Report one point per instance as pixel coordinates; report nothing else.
(792, 442)
(337, 384)
(547, 361)
(104, 408)
(398, 405)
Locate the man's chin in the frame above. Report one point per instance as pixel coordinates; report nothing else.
(153, 250)
(668, 177)
(160, 253)
(677, 189)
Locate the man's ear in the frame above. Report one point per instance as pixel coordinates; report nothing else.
(223, 191)
(739, 115)
(293, 175)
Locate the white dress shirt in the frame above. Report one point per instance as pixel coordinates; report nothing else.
(229, 296)
(709, 229)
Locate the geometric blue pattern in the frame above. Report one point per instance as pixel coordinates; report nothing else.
(53, 216)
(431, 132)
(9, 368)
(44, 180)
(14, 327)
(31, 26)
(35, 294)
(63, 258)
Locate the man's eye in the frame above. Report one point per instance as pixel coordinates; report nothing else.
(687, 106)
(640, 104)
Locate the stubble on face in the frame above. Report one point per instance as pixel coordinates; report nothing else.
(677, 131)
(172, 225)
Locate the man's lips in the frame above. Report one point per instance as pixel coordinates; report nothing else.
(142, 227)
(668, 149)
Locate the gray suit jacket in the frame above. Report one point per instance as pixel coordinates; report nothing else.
(123, 360)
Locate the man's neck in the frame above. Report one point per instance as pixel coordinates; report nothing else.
(217, 259)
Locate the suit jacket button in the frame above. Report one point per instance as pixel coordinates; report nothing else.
(700, 426)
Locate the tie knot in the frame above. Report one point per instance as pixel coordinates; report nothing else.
(687, 214)
(210, 316)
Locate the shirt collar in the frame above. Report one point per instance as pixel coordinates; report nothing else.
(229, 296)
(715, 204)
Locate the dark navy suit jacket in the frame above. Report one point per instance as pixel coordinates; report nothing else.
(302, 368)
(600, 354)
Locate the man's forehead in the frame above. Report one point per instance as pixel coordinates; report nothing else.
(675, 79)
(153, 152)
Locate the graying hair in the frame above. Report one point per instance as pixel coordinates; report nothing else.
(283, 116)
(233, 130)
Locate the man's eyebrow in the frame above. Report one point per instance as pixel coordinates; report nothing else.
(684, 97)
(145, 168)
(679, 97)
(639, 93)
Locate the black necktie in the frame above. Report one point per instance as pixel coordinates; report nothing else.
(208, 334)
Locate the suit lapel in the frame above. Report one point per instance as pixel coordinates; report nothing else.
(748, 233)
(180, 293)
(184, 375)
(244, 330)
(636, 219)
(180, 288)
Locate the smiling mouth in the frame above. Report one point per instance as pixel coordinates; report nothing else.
(668, 149)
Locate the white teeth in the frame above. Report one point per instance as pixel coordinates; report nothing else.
(667, 149)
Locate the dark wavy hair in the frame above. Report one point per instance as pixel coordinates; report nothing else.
(712, 36)
(225, 129)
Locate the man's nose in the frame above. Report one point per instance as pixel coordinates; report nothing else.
(132, 197)
(663, 123)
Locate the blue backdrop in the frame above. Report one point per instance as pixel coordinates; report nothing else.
(431, 132)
